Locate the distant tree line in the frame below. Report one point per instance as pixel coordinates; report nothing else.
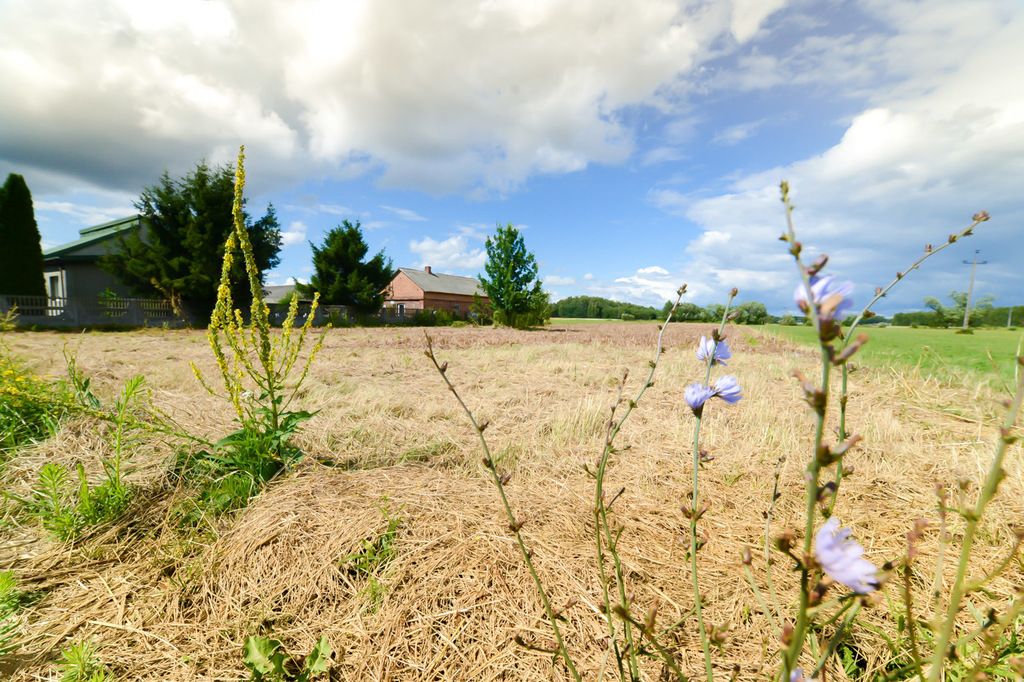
(595, 307)
(602, 308)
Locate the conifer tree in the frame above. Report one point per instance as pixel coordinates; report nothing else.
(179, 253)
(343, 276)
(21, 255)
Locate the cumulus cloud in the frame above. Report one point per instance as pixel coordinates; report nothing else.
(456, 96)
(908, 170)
(558, 280)
(84, 213)
(295, 234)
(453, 253)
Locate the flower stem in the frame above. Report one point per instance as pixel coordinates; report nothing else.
(879, 295)
(514, 525)
(974, 516)
(698, 606)
(601, 525)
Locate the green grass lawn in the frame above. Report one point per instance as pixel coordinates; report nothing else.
(938, 352)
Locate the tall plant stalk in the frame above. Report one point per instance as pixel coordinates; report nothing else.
(603, 534)
(514, 524)
(695, 509)
(866, 312)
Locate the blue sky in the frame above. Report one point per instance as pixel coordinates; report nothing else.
(639, 145)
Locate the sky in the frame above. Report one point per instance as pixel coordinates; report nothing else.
(638, 145)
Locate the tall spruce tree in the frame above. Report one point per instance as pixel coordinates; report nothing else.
(21, 255)
(179, 252)
(343, 276)
(511, 283)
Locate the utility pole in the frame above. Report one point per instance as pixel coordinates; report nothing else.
(974, 263)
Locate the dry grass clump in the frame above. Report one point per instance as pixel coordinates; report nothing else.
(168, 605)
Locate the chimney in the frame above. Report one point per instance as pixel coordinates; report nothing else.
(426, 269)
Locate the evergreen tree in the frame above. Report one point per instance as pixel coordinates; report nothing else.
(21, 255)
(178, 252)
(343, 276)
(511, 282)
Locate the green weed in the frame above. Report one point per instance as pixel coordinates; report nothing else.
(80, 662)
(267, 660)
(10, 602)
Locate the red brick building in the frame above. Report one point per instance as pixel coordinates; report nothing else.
(413, 290)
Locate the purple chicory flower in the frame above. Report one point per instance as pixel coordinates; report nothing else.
(831, 297)
(696, 395)
(842, 558)
(728, 389)
(725, 388)
(718, 351)
(798, 676)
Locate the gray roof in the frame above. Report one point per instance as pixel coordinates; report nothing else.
(276, 293)
(438, 283)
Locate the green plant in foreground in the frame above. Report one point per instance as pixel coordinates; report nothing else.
(376, 552)
(267, 660)
(67, 508)
(80, 662)
(10, 624)
(261, 371)
(31, 407)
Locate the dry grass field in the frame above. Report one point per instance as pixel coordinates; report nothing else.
(166, 605)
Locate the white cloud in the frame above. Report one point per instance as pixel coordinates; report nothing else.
(404, 213)
(669, 200)
(748, 15)
(557, 280)
(908, 170)
(333, 209)
(454, 253)
(735, 134)
(84, 213)
(589, 276)
(113, 92)
(295, 234)
(652, 270)
(662, 155)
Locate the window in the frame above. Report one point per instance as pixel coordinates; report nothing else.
(54, 286)
(401, 309)
(456, 307)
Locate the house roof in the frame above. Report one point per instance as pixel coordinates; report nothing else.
(278, 293)
(438, 283)
(93, 235)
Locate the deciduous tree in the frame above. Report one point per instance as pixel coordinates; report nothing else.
(512, 283)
